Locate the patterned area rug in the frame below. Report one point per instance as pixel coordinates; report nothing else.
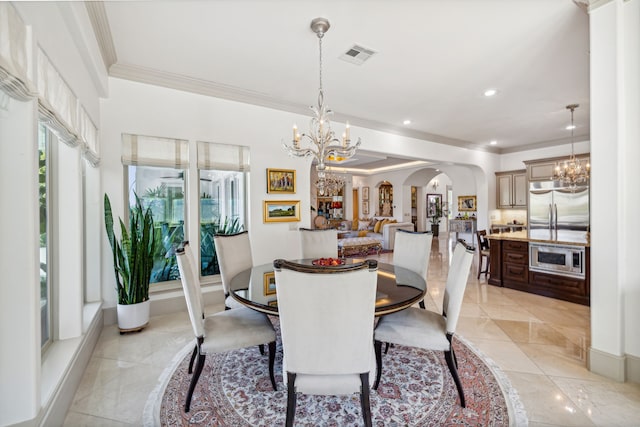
(416, 389)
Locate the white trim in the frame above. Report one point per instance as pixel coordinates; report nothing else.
(55, 407)
(606, 364)
(169, 302)
(100, 23)
(632, 369)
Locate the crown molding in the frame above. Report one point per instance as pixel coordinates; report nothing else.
(545, 144)
(232, 93)
(100, 23)
(594, 4)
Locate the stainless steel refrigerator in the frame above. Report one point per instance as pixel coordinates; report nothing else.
(556, 207)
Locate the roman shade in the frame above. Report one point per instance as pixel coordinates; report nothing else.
(59, 108)
(139, 150)
(216, 156)
(15, 42)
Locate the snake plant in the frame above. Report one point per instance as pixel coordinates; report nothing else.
(132, 253)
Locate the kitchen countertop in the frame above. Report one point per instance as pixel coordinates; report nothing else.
(560, 237)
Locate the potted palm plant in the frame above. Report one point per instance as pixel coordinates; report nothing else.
(435, 219)
(132, 263)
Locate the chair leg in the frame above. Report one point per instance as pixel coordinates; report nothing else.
(422, 306)
(193, 358)
(364, 399)
(272, 359)
(194, 381)
(377, 345)
(479, 266)
(261, 347)
(291, 398)
(448, 355)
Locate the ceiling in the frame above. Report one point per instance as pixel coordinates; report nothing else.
(433, 61)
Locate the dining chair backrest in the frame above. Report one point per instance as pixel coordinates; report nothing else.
(234, 255)
(189, 284)
(456, 284)
(483, 242)
(188, 252)
(326, 318)
(318, 243)
(411, 251)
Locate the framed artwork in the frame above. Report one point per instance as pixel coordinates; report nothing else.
(365, 193)
(365, 207)
(466, 203)
(273, 303)
(269, 279)
(433, 201)
(281, 210)
(281, 181)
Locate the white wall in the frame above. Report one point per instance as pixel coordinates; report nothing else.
(148, 110)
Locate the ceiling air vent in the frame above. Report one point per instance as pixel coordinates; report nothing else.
(357, 54)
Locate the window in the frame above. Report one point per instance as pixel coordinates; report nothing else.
(223, 172)
(156, 173)
(45, 285)
(222, 205)
(163, 191)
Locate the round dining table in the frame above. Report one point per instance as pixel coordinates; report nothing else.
(397, 288)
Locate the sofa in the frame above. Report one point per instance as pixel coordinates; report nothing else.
(386, 233)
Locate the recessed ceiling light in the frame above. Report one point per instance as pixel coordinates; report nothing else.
(494, 142)
(490, 92)
(570, 127)
(406, 122)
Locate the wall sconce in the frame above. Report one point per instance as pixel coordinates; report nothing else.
(435, 185)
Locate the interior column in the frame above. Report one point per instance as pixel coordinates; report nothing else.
(615, 277)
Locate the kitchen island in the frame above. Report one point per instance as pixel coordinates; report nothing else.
(512, 264)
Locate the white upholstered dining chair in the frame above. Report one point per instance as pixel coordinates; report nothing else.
(318, 243)
(326, 322)
(224, 331)
(411, 251)
(234, 255)
(415, 327)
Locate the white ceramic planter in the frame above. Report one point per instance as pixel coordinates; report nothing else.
(133, 317)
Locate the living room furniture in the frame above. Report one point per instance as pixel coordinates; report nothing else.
(358, 246)
(318, 243)
(327, 354)
(397, 288)
(426, 329)
(467, 226)
(223, 331)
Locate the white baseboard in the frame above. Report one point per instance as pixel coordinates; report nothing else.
(170, 302)
(633, 369)
(607, 365)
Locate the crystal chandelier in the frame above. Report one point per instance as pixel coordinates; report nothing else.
(322, 143)
(572, 171)
(330, 185)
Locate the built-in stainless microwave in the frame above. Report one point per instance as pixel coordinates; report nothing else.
(557, 259)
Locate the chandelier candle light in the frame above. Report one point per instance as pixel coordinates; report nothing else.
(323, 145)
(572, 172)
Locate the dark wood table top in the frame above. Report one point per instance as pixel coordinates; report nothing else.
(398, 288)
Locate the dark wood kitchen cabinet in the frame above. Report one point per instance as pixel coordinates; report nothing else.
(509, 267)
(515, 264)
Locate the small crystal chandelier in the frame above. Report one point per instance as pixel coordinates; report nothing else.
(330, 185)
(572, 171)
(323, 145)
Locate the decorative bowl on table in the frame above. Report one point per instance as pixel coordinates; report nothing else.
(328, 262)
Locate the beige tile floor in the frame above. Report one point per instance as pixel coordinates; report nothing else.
(540, 343)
